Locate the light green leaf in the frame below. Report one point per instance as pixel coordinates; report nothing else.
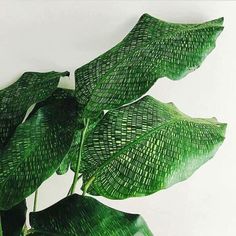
(77, 215)
(153, 49)
(144, 147)
(13, 220)
(30, 88)
(36, 150)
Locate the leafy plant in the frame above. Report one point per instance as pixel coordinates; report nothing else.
(121, 145)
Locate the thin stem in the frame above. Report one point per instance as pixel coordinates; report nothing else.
(71, 185)
(86, 123)
(87, 185)
(24, 230)
(1, 233)
(35, 200)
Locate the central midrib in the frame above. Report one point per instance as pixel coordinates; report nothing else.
(126, 147)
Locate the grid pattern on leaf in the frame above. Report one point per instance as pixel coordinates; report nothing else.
(78, 215)
(146, 146)
(70, 159)
(15, 100)
(153, 49)
(35, 151)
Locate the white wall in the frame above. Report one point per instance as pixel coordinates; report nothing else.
(63, 35)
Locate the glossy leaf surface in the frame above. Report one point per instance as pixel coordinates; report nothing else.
(147, 146)
(13, 220)
(78, 215)
(30, 88)
(153, 49)
(36, 150)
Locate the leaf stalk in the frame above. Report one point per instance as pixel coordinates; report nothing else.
(76, 175)
(35, 200)
(87, 185)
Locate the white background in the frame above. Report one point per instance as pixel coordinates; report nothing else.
(63, 35)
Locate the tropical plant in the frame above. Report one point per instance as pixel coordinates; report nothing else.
(121, 145)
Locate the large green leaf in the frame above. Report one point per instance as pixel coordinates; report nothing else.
(36, 150)
(61, 94)
(153, 49)
(85, 216)
(15, 100)
(13, 220)
(144, 147)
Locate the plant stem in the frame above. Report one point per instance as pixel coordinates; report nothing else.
(24, 230)
(87, 185)
(69, 192)
(76, 175)
(35, 200)
(1, 233)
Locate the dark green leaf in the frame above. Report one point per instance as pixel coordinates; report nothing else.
(147, 146)
(72, 155)
(36, 150)
(85, 216)
(15, 100)
(61, 94)
(153, 49)
(13, 220)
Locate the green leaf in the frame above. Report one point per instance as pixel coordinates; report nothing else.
(77, 215)
(36, 150)
(15, 100)
(61, 94)
(13, 220)
(144, 147)
(72, 155)
(153, 49)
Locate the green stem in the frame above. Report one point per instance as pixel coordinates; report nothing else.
(24, 230)
(87, 185)
(76, 175)
(71, 185)
(1, 233)
(35, 200)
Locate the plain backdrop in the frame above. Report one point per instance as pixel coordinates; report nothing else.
(63, 35)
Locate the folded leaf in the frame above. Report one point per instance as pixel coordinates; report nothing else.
(144, 147)
(153, 49)
(77, 215)
(13, 220)
(15, 100)
(36, 150)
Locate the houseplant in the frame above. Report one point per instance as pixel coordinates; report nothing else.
(121, 145)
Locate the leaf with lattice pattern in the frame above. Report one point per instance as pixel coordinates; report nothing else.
(78, 215)
(72, 155)
(153, 49)
(57, 95)
(13, 220)
(36, 150)
(144, 147)
(30, 88)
